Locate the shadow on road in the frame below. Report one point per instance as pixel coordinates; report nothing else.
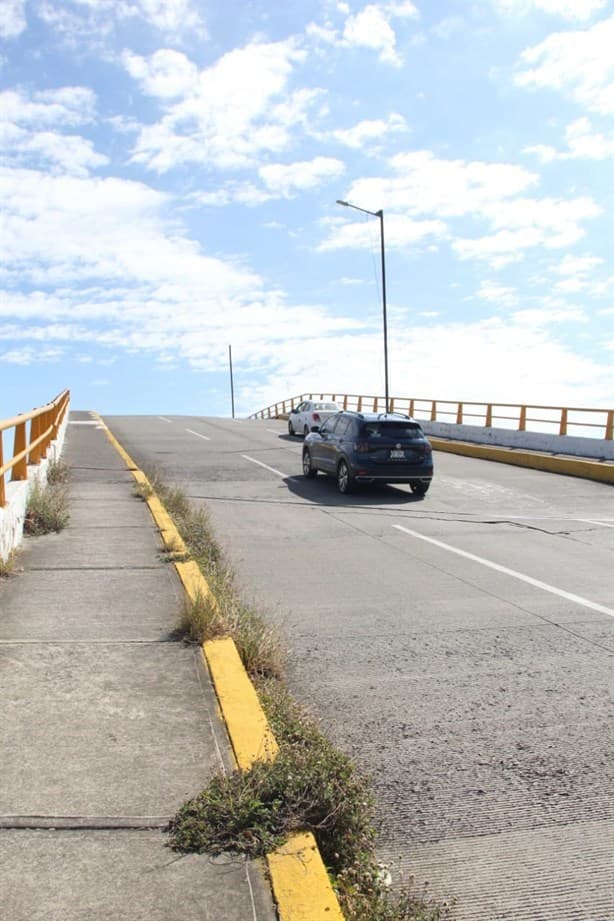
(322, 490)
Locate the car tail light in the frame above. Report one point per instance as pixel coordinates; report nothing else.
(427, 450)
(315, 417)
(361, 447)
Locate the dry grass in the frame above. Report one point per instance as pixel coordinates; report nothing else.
(47, 509)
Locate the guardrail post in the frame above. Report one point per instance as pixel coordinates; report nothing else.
(345, 401)
(359, 407)
(375, 404)
(609, 426)
(391, 401)
(2, 493)
(522, 422)
(411, 407)
(46, 423)
(459, 414)
(563, 426)
(488, 420)
(20, 470)
(434, 411)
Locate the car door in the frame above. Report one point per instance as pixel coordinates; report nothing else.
(326, 445)
(295, 418)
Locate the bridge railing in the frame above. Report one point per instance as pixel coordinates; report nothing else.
(521, 417)
(33, 433)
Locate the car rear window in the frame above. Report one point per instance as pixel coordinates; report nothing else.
(330, 406)
(406, 430)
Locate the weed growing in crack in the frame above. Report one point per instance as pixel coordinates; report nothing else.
(46, 509)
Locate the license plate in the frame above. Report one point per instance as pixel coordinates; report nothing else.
(396, 455)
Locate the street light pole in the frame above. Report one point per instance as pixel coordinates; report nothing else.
(380, 215)
(232, 386)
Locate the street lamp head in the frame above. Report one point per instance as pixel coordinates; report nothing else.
(344, 203)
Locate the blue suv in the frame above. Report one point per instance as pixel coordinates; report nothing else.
(370, 448)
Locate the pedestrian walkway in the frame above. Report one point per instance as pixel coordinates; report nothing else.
(109, 723)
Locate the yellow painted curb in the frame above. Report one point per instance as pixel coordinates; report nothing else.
(251, 736)
(603, 471)
(300, 882)
(301, 886)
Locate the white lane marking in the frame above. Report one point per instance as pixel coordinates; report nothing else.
(509, 572)
(604, 524)
(275, 431)
(266, 466)
(164, 419)
(198, 435)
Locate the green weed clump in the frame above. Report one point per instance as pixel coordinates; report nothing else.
(58, 472)
(47, 509)
(224, 613)
(7, 566)
(310, 786)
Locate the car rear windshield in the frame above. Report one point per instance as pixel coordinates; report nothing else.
(330, 406)
(405, 430)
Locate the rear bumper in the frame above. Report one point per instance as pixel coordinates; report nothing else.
(388, 475)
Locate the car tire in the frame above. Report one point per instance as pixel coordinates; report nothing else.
(306, 431)
(308, 470)
(419, 489)
(290, 428)
(345, 482)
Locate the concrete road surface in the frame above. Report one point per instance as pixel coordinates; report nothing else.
(459, 647)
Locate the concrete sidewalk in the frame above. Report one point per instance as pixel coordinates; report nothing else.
(108, 724)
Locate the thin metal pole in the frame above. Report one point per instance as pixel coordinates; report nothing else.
(232, 387)
(380, 214)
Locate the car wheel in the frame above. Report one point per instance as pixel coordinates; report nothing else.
(419, 489)
(306, 431)
(308, 470)
(290, 429)
(344, 478)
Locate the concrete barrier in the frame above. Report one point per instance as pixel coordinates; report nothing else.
(12, 515)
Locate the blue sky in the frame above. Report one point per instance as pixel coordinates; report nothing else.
(168, 179)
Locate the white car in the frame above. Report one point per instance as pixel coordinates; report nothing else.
(308, 413)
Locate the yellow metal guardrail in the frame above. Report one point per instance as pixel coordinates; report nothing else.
(591, 423)
(31, 442)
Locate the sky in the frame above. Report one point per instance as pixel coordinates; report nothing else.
(169, 172)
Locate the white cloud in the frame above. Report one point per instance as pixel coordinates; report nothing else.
(582, 143)
(370, 130)
(580, 63)
(69, 105)
(93, 20)
(585, 143)
(445, 191)
(524, 224)
(64, 152)
(425, 184)
(167, 74)
(170, 16)
(12, 18)
(370, 28)
(578, 10)
(400, 233)
(286, 178)
(498, 294)
(239, 108)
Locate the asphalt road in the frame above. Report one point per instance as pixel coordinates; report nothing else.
(459, 647)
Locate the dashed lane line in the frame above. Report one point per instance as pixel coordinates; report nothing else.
(253, 460)
(164, 419)
(198, 435)
(569, 596)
